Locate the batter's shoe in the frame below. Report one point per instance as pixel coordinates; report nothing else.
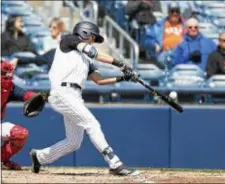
(10, 165)
(124, 171)
(35, 163)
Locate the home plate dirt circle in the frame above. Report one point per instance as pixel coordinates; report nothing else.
(100, 175)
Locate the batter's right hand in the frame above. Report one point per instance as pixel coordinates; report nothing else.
(126, 70)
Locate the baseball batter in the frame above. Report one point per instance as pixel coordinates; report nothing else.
(13, 136)
(72, 65)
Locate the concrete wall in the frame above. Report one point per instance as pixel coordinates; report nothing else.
(142, 136)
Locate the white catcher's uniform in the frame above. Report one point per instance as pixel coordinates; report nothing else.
(72, 66)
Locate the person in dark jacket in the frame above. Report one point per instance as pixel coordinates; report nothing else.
(195, 47)
(141, 11)
(216, 60)
(13, 39)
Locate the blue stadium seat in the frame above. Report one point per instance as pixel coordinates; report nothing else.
(216, 86)
(216, 82)
(28, 70)
(24, 55)
(39, 82)
(186, 70)
(151, 73)
(19, 81)
(17, 10)
(17, 4)
(36, 31)
(205, 28)
(32, 21)
(189, 88)
(219, 22)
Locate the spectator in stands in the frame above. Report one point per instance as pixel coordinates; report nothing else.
(216, 60)
(13, 39)
(57, 29)
(195, 48)
(140, 11)
(165, 35)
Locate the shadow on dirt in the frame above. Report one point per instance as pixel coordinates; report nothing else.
(78, 174)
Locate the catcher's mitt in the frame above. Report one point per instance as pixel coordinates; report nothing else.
(34, 105)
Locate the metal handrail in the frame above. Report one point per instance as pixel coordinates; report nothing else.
(110, 25)
(92, 8)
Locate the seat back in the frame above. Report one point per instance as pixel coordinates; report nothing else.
(184, 82)
(186, 70)
(205, 27)
(216, 81)
(150, 73)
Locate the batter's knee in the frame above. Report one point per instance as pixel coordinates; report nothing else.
(72, 146)
(94, 125)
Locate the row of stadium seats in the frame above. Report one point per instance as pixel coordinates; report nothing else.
(34, 77)
(185, 79)
(33, 26)
(212, 12)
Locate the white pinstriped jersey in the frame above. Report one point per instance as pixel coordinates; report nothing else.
(72, 67)
(69, 66)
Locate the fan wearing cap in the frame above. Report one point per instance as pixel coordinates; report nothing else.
(13, 136)
(166, 34)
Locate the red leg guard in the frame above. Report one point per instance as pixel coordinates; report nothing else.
(15, 142)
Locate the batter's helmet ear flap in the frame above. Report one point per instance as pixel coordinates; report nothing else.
(86, 29)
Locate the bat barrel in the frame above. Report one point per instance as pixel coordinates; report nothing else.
(165, 98)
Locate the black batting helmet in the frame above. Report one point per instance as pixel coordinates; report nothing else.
(86, 29)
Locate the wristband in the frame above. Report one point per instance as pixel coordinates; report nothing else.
(119, 78)
(118, 63)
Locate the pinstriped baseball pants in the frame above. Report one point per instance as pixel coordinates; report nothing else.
(77, 119)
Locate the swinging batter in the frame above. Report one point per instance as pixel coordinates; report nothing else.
(72, 65)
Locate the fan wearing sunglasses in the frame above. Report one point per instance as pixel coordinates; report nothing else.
(166, 34)
(216, 60)
(195, 47)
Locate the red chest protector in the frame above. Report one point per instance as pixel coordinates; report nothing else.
(6, 84)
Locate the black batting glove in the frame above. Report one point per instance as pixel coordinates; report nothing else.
(129, 76)
(124, 67)
(127, 70)
(123, 78)
(134, 76)
(117, 63)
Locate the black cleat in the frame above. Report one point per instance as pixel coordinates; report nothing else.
(35, 163)
(123, 171)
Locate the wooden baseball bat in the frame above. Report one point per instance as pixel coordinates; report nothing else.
(165, 98)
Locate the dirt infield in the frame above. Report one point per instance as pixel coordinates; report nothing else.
(100, 175)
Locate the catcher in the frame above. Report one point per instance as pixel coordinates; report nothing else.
(14, 136)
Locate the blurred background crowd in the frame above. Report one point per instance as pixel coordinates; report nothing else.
(174, 45)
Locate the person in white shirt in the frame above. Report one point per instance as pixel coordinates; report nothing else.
(72, 65)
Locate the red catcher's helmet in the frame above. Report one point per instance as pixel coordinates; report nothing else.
(7, 69)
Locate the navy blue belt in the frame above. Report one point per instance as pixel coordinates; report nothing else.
(72, 85)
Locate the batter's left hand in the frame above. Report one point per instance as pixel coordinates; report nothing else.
(126, 70)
